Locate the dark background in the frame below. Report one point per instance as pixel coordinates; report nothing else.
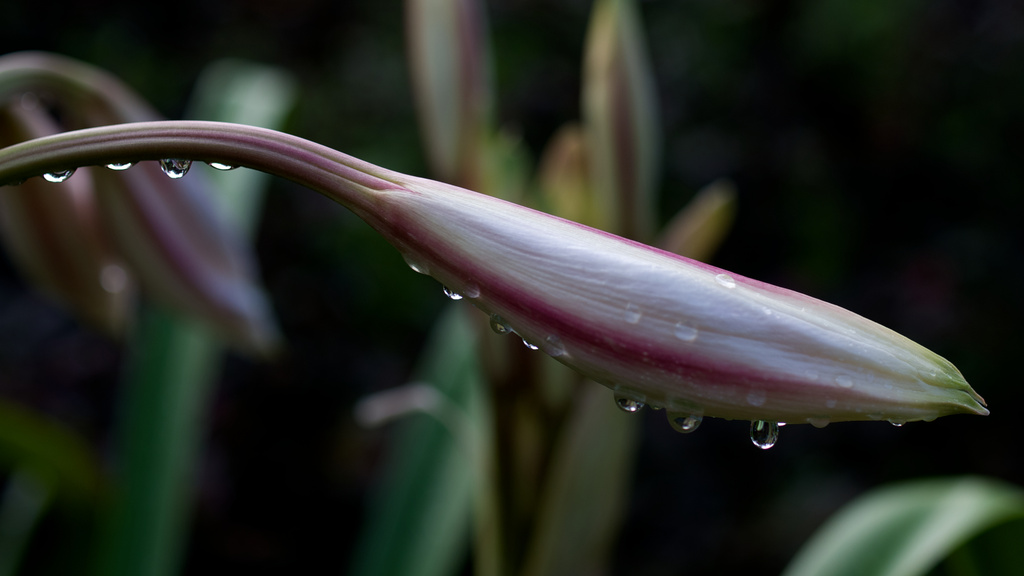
(877, 150)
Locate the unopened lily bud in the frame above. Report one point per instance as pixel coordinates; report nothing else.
(659, 328)
(451, 77)
(164, 226)
(619, 112)
(563, 176)
(52, 232)
(655, 327)
(184, 256)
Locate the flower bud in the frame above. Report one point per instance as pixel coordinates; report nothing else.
(619, 112)
(168, 231)
(52, 233)
(451, 76)
(660, 328)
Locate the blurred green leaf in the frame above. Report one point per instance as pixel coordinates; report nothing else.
(52, 464)
(419, 521)
(29, 440)
(584, 496)
(907, 529)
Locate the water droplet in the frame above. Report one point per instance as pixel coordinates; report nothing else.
(633, 313)
(844, 381)
(471, 291)
(29, 101)
(685, 332)
(764, 434)
(221, 166)
(119, 166)
(499, 325)
(781, 424)
(818, 422)
(684, 423)
(530, 346)
(757, 397)
(175, 167)
(628, 404)
(896, 422)
(58, 177)
(553, 346)
(725, 280)
(416, 265)
(113, 278)
(452, 294)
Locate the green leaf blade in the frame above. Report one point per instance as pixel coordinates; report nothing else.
(906, 530)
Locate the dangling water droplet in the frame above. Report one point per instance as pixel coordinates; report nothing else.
(553, 346)
(175, 167)
(499, 325)
(452, 294)
(818, 422)
(764, 434)
(684, 423)
(119, 166)
(58, 177)
(416, 265)
(896, 422)
(725, 280)
(221, 166)
(781, 424)
(685, 332)
(844, 381)
(628, 404)
(530, 346)
(633, 313)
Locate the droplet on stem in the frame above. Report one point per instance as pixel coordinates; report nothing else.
(627, 404)
(764, 434)
(58, 177)
(119, 166)
(175, 167)
(553, 346)
(416, 265)
(452, 294)
(684, 423)
(530, 346)
(221, 166)
(499, 325)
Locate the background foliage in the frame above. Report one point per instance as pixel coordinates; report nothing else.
(876, 151)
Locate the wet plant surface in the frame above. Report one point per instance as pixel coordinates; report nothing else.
(876, 162)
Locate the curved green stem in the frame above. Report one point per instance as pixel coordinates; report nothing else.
(342, 178)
